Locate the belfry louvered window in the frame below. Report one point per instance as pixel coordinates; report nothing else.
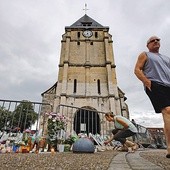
(75, 86)
(98, 86)
(96, 34)
(78, 34)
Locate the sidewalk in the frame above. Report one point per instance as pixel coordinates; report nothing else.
(132, 161)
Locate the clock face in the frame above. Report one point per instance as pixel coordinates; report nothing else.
(87, 33)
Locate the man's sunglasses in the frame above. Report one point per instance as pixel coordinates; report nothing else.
(155, 40)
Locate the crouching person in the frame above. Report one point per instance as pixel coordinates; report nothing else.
(123, 128)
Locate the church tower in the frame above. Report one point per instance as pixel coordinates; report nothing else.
(86, 75)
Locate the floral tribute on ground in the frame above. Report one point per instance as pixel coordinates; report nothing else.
(35, 141)
(56, 121)
(56, 127)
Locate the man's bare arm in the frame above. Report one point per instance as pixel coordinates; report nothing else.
(139, 70)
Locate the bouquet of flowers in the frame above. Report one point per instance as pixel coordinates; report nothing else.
(56, 122)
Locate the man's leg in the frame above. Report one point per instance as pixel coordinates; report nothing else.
(166, 118)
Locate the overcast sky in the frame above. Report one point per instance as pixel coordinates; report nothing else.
(30, 43)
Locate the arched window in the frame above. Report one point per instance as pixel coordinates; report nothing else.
(98, 86)
(78, 42)
(75, 86)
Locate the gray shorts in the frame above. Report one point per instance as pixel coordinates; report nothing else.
(159, 96)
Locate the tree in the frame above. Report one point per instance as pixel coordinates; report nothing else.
(5, 118)
(24, 116)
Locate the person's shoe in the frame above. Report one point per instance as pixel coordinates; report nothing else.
(168, 155)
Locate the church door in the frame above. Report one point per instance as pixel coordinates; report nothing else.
(87, 122)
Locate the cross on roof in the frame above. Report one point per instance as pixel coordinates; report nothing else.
(85, 9)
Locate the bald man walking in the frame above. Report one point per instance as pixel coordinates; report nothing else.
(153, 69)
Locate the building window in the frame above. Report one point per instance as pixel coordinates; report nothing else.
(96, 34)
(85, 24)
(78, 34)
(75, 86)
(98, 86)
(91, 43)
(78, 42)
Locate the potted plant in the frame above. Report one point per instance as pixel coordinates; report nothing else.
(60, 145)
(69, 142)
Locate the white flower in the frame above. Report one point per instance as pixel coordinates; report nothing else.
(47, 113)
(50, 117)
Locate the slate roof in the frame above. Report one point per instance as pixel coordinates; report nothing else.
(86, 22)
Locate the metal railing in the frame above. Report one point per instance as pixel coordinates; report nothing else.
(20, 115)
(85, 120)
(31, 115)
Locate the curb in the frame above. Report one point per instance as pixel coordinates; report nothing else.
(131, 161)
